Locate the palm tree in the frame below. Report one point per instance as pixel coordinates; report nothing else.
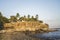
(32, 18)
(24, 18)
(17, 16)
(1, 14)
(28, 16)
(36, 17)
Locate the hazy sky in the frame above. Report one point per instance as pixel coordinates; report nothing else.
(46, 9)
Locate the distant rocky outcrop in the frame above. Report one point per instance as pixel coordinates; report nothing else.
(26, 25)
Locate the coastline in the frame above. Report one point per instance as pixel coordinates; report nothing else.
(37, 31)
(19, 35)
(16, 36)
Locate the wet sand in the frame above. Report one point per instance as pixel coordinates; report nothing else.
(16, 36)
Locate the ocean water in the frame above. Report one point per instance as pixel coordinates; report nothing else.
(45, 36)
(50, 35)
(20, 36)
(53, 23)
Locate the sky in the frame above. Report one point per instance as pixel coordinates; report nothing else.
(46, 9)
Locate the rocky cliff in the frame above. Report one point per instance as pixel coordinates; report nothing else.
(26, 25)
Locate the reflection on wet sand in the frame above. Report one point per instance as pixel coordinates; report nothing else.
(16, 36)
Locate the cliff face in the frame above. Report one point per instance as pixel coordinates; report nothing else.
(26, 25)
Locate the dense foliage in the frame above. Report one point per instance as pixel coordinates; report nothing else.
(16, 18)
(3, 20)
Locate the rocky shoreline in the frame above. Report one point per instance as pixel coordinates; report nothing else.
(16, 36)
(37, 31)
(19, 35)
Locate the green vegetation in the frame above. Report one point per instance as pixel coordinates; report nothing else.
(3, 20)
(13, 19)
(16, 18)
(24, 18)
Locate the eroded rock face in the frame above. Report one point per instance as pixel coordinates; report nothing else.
(23, 26)
(44, 27)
